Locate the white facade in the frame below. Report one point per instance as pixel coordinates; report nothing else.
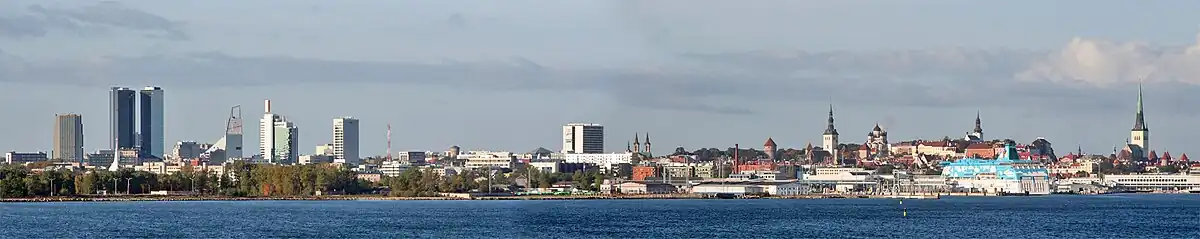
(345, 140)
(727, 188)
(1034, 184)
(324, 149)
(487, 160)
(605, 161)
(266, 132)
(172, 168)
(583, 138)
(393, 168)
(1154, 181)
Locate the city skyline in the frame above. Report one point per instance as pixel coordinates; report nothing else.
(769, 70)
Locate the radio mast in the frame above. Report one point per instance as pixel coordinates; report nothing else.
(389, 143)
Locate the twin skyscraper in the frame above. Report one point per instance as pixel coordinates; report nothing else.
(137, 120)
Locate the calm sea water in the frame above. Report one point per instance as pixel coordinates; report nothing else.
(1109, 216)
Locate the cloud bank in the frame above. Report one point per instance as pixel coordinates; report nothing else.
(1098, 62)
(90, 20)
(686, 79)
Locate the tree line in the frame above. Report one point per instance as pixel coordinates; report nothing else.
(424, 183)
(240, 179)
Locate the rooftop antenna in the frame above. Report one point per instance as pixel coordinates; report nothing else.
(389, 142)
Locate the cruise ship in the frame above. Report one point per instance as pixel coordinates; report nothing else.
(1006, 175)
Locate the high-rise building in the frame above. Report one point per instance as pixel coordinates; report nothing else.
(345, 140)
(583, 138)
(68, 137)
(287, 142)
(266, 132)
(150, 122)
(122, 131)
(232, 142)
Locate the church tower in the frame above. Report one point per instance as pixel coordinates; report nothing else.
(647, 148)
(637, 147)
(1140, 135)
(830, 138)
(976, 135)
(978, 127)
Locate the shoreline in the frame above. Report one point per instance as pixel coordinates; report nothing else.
(158, 198)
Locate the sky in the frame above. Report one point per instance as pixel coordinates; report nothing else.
(505, 75)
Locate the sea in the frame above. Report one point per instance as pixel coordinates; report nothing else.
(1056, 216)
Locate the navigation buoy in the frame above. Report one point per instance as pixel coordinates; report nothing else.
(905, 212)
(901, 201)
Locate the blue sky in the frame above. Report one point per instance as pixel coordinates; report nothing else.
(505, 75)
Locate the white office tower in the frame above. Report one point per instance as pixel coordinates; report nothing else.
(266, 132)
(583, 138)
(345, 140)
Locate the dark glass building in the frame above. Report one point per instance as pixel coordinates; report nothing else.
(150, 122)
(122, 102)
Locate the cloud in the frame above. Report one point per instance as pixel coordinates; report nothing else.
(21, 27)
(720, 83)
(89, 21)
(1103, 63)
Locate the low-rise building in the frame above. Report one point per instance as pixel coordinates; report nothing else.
(743, 187)
(1070, 169)
(315, 159)
(645, 188)
(413, 157)
(14, 157)
(394, 168)
(546, 165)
(489, 160)
(607, 162)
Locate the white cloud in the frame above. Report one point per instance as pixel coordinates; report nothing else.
(1102, 63)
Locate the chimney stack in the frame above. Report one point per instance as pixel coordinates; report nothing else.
(267, 106)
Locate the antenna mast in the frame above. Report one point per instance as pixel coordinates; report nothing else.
(389, 143)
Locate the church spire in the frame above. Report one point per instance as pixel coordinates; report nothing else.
(978, 124)
(647, 142)
(636, 145)
(1139, 123)
(829, 130)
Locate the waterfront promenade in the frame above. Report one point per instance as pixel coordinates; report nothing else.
(123, 198)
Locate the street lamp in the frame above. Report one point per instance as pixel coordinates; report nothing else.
(127, 188)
